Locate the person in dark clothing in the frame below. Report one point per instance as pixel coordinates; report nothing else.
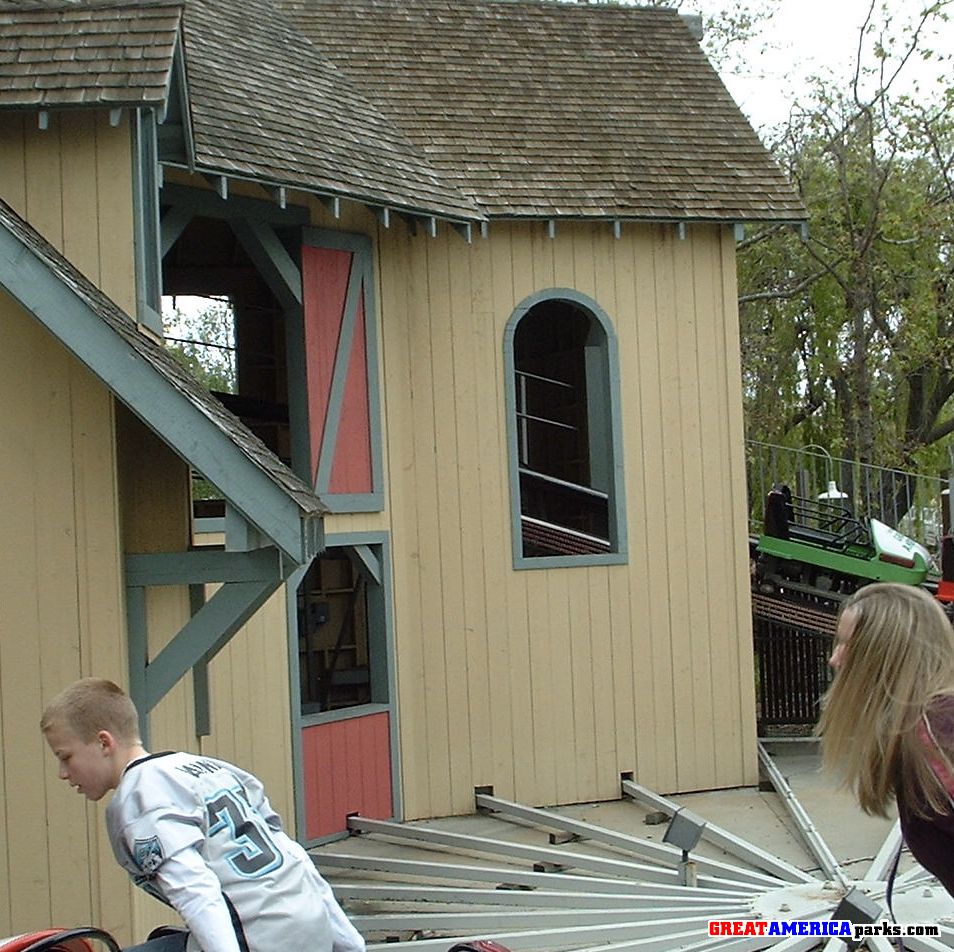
(887, 723)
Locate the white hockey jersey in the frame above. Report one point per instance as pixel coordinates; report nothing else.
(200, 835)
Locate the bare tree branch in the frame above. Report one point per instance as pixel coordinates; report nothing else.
(780, 294)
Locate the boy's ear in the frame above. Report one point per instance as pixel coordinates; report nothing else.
(106, 741)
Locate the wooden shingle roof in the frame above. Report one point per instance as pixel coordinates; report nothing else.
(543, 109)
(99, 54)
(463, 109)
(267, 105)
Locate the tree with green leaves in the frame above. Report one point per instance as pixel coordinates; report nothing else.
(203, 341)
(848, 329)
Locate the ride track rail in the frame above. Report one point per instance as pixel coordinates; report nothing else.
(798, 614)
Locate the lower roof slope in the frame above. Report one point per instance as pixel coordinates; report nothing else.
(546, 109)
(267, 105)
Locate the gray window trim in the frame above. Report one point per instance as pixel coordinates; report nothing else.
(608, 356)
(146, 239)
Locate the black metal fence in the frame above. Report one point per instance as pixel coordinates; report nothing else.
(793, 641)
(913, 503)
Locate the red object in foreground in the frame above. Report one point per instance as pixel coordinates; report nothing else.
(19, 943)
(480, 945)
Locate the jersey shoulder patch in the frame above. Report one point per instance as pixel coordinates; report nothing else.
(147, 854)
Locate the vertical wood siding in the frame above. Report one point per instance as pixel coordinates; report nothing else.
(346, 767)
(249, 698)
(549, 683)
(83, 482)
(61, 603)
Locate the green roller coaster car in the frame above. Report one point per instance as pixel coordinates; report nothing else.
(822, 547)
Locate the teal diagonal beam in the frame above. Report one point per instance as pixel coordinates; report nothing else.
(206, 633)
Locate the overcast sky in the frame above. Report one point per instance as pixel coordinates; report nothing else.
(814, 35)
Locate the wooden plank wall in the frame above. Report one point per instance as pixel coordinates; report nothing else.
(154, 517)
(66, 479)
(547, 684)
(61, 604)
(249, 689)
(346, 768)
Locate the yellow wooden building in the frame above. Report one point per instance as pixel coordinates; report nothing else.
(482, 516)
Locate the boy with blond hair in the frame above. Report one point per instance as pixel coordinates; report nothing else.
(195, 832)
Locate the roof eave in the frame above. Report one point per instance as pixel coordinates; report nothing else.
(394, 203)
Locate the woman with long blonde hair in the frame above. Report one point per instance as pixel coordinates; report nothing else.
(887, 723)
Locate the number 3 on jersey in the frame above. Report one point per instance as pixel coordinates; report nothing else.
(254, 853)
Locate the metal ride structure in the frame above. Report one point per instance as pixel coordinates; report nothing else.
(822, 526)
(822, 549)
(588, 888)
(595, 889)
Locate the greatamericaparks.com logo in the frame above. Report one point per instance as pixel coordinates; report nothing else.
(820, 928)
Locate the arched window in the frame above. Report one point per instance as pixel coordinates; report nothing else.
(564, 429)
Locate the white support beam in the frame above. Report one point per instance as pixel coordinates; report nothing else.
(633, 845)
(810, 834)
(924, 944)
(540, 855)
(533, 898)
(514, 876)
(551, 920)
(220, 185)
(721, 837)
(648, 936)
(333, 204)
(883, 863)
(465, 230)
